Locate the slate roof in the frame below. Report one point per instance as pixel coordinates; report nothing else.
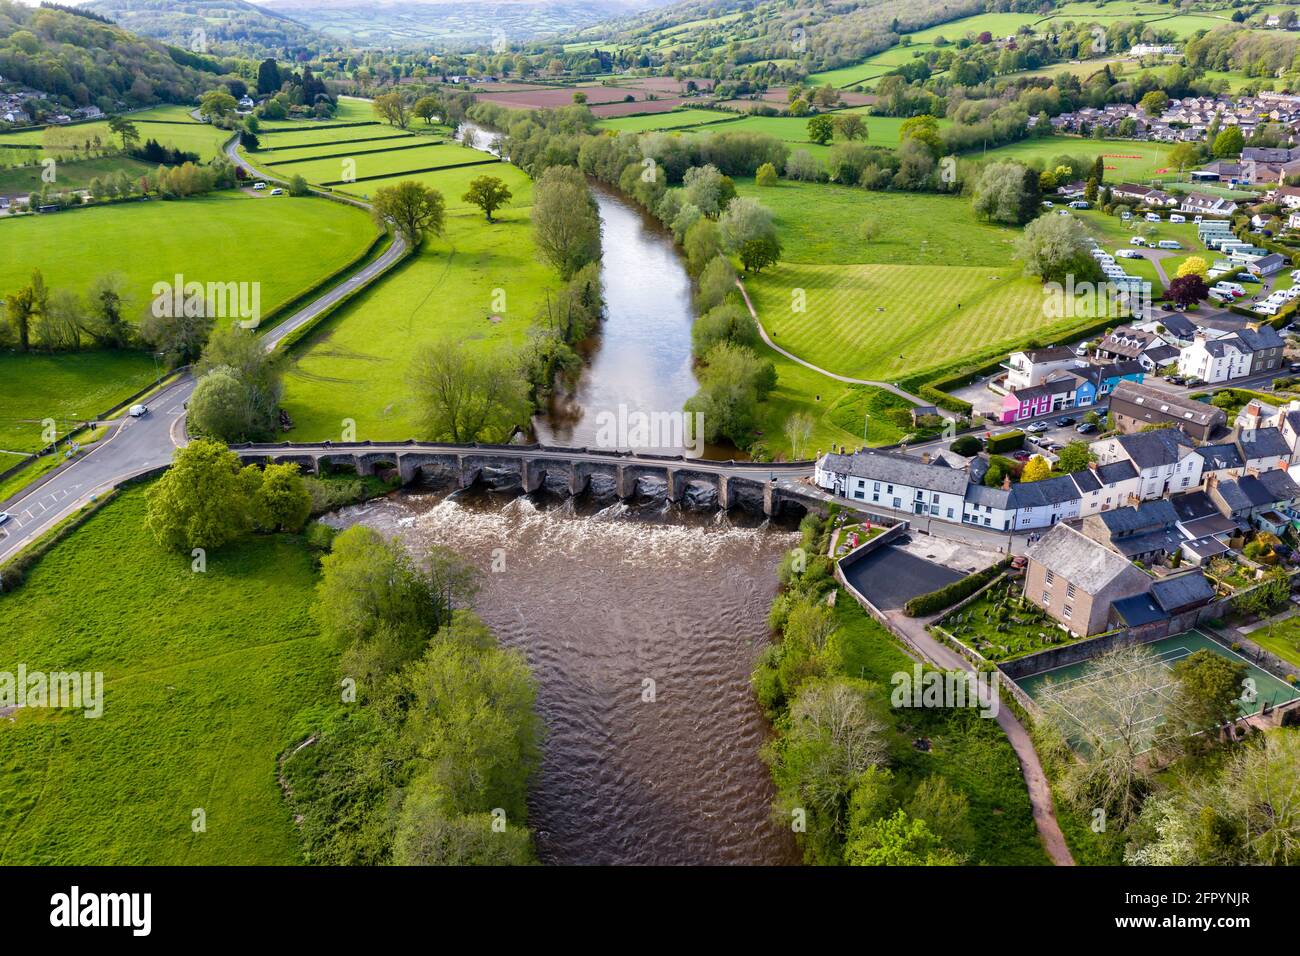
(1179, 592)
(1178, 326)
(1206, 547)
(1263, 443)
(1083, 562)
(1193, 505)
(896, 469)
(1280, 485)
(1265, 337)
(1147, 516)
(1219, 457)
(1155, 448)
(978, 494)
(1138, 610)
(1173, 407)
(1054, 353)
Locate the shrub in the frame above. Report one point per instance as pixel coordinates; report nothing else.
(1006, 441)
(950, 594)
(967, 446)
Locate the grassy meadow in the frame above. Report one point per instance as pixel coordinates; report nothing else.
(203, 676)
(67, 387)
(355, 366)
(285, 244)
(1125, 160)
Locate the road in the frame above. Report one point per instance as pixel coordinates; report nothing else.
(138, 445)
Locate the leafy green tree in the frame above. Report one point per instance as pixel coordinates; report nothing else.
(566, 224)
(899, 840)
(1075, 457)
(488, 193)
(466, 395)
(1230, 142)
(732, 384)
(199, 501)
(282, 501)
(1154, 103)
(728, 322)
(703, 243)
(821, 129)
(268, 77)
(717, 284)
(1208, 685)
(851, 126)
(298, 185)
(426, 108)
(427, 835)
(217, 104)
(945, 811)
(413, 208)
(766, 175)
(1053, 247)
(219, 407)
(1036, 469)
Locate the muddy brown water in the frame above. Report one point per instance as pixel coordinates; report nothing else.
(641, 625)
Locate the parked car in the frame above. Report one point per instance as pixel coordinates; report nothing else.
(259, 185)
(1048, 204)
(1293, 367)
(1175, 380)
(1152, 217)
(1037, 428)
(4, 516)
(1085, 428)
(1079, 204)
(138, 411)
(1137, 241)
(277, 192)
(1128, 254)
(1021, 455)
(1065, 420)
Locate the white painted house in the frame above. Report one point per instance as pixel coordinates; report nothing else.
(1165, 460)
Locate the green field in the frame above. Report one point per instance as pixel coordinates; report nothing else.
(676, 119)
(881, 130)
(452, 183)
(822, 222)
(285, 244)
(67, 388)
(203, 676)
(378, 164)
(355, 366)
(24, 180)
(1125, 160)
(330, 135)
(169, 125)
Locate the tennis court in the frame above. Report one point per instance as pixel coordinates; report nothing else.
(1068, 682)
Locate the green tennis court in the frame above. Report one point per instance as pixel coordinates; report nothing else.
(1167, 652)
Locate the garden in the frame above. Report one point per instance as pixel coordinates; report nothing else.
(1002, 624)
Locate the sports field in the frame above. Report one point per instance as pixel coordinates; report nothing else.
(1125, 160)
(1268, 689)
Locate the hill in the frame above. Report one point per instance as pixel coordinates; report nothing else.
(218, 26)
(78, 60)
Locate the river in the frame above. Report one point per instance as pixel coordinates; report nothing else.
(613, 604)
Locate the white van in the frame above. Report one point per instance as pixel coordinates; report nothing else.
(1174, 217)
(1267, 308)
(1169, 244)
(1137, 241)
(1236, 288)
(259, 185)
(1128, 254)
(1152, 217)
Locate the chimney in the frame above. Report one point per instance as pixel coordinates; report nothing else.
(1253, 410)
(925, 458)
(1006, 483)
(1092, 466)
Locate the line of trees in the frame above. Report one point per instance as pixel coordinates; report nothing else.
(55, 320)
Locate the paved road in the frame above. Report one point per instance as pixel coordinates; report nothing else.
(138, 445)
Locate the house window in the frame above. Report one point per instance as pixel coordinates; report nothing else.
(898, 504)
(935, 498)
(1186, 482)
(875, 486)
(949, 512)
(1047, 597)
(1066, 611)
(875, 499)
(1069, 590)
(859, 494)
(1051, 576)
(987, 522)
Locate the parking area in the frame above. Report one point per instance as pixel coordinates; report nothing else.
(914, 564)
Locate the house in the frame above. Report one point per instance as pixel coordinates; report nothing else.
(1063, 390)
(1027, 369)
(1263, 449)
(1152, 49)
(893, 481)
(1076, 580)
(1127, 344)
(1206, 531)
(1250, 497)
(1028, 506)
(1223, 460)
(1147, 532)
(1287, 196)
(1144, 195)
(1135, 406)
(1176, 329)
(1165, 460)
(1244, 352)
(246, 102)
(1106, 378)
(1201, 204)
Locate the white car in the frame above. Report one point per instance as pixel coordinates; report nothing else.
(1037, 427)
(1048, 204)
(1137, 241)
(4, 516)
(1128, 253)
(277, 192)
(1079, 204)
(259, 185)
(138, 411)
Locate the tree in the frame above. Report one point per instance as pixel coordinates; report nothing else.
(566, 223)
(268, 77)
(1183, 156)
(1036, 469)
(259, 376)
(704, 188)
(798, 431)
(298, 185)
(426, 835)
(1230, 142)
(393, 109)
(125, 129)
(282, 501)
(488, 193)
(1154, 103)
(199, 501)
(413, 208)
(1187, 290)
(467, 395)
(1075, 457)
(851, 126)
(219, 406)
(744, 220)
(1208, 686)
(426, 108)
(821, 129)
(18, 311)
(923, 129)
(217, 104)
(702, 243)
(1003, 193)
(733, 382)
(1053, 247)
(759, 252)
(1121, 692)
(766, 175)
(898, 840)
(1194, 265)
